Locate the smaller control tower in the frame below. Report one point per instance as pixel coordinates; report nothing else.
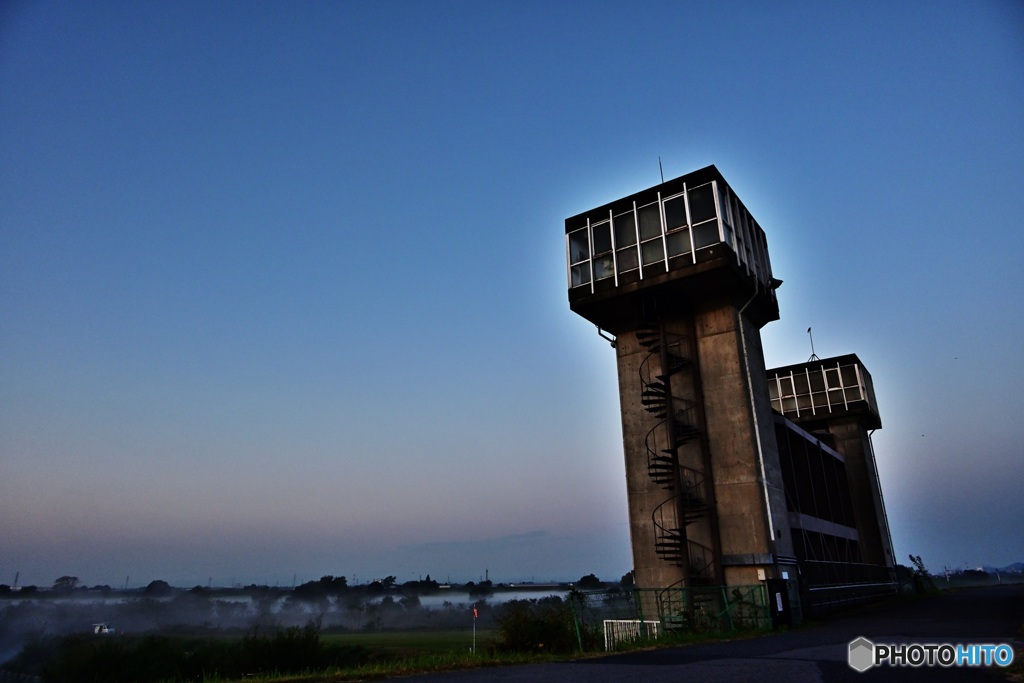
(834, 400)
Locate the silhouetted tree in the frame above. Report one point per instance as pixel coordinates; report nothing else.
(257, 588)
(380, 585)
(333, 584)
(426, 585)
(590, 581)
(326, 584)
(65, 584)
(158, 587)
(199, 590)
(483, 588)
(628, 579)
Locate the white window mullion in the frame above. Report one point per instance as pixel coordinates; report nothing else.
(568, 260)
(810, 391)
(718, 211)
(689, 224)
(839, 369)
(615, 253)
(639, 250)
(590, 243)
(796, 401)
(664, 240)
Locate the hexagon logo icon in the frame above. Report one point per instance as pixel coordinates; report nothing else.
(861, 655)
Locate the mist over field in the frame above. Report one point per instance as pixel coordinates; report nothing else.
(328, 604)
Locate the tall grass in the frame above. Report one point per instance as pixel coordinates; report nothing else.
(156, 658)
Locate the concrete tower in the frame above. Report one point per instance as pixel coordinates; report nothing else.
(679, 274)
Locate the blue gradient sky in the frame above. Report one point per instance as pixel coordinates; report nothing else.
(282, 290)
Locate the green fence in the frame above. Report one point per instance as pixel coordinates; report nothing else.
(658, 611)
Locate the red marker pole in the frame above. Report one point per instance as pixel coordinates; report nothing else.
(474, 627)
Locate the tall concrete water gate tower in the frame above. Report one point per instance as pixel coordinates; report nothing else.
(678, 275)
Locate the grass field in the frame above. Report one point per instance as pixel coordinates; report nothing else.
(412, 642)
(404, 653)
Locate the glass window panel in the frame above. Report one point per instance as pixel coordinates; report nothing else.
(786, 385)
(817, 381)
(652, 252)
(849, 375)
(773, 388)
(835, 397)
(789, 405)
(832, 377)
(819, 400)
(650, 221)
(804, 402)
(603, 267)
(625, 229)
(702, 203)
(679, 243)
(853, 394)
(602, 237)
(723, 205)
(627, 258)
(581, 275)
(675, 212)
(728, 235)
(745, 240)
(705, 234)
(801, 383)
(579, 246)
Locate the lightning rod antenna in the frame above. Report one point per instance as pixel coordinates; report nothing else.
(814, 356)
(661, 170)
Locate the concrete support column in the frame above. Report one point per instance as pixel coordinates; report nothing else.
(851, 440)
(741, 436)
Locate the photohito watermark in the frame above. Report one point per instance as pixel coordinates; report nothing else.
(863, 654)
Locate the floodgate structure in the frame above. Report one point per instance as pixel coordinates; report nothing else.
(736, 475)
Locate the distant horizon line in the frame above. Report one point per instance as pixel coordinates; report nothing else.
(353, 582)
(455, 586)
(127, 586)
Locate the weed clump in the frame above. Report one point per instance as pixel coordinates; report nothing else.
(546, 625)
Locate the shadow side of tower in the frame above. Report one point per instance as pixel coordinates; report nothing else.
(679, 273)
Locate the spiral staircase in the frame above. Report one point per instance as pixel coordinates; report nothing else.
(687, 487)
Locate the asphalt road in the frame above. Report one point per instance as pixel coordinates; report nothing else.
(815, 652)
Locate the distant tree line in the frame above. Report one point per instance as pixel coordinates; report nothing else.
(328, 585)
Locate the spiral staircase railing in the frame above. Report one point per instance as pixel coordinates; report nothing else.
(677, 424)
